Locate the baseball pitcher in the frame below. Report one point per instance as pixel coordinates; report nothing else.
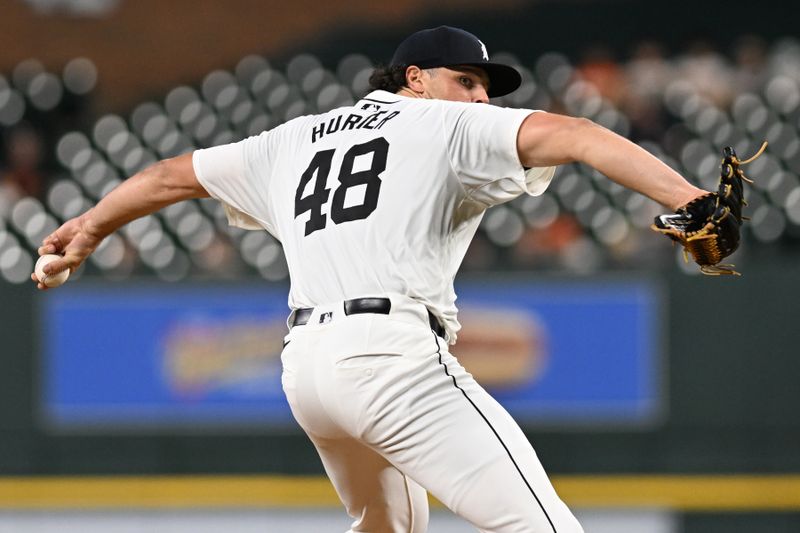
(375, 205)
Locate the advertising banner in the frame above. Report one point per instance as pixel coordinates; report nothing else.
(196, 356)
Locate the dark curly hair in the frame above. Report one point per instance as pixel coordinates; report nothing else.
(386, 78)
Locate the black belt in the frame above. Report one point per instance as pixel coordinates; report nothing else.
(380, 306)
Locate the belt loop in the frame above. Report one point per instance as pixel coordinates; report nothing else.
(381, 306)
(301, 316)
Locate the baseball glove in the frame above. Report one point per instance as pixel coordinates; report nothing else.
(709, 226)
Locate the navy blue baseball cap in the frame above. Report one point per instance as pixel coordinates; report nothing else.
(446, 46)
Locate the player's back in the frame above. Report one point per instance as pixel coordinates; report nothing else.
(380, 197)
(363, 198)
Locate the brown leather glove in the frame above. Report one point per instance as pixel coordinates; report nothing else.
(709, 227)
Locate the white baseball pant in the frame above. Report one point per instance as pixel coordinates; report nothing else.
(392, 414)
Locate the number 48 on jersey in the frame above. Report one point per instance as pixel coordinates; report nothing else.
(320, 167)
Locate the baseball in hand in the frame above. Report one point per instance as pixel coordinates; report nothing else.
(53, 280)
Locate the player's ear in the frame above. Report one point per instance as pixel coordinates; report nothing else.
(414, 77)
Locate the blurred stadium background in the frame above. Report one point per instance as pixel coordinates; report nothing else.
(128, 400)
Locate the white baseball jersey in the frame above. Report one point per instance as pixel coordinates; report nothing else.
(378, 198)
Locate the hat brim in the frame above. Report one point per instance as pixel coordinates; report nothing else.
(503, 79)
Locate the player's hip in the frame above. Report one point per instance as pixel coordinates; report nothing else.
(366, 368)
(375, 339)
